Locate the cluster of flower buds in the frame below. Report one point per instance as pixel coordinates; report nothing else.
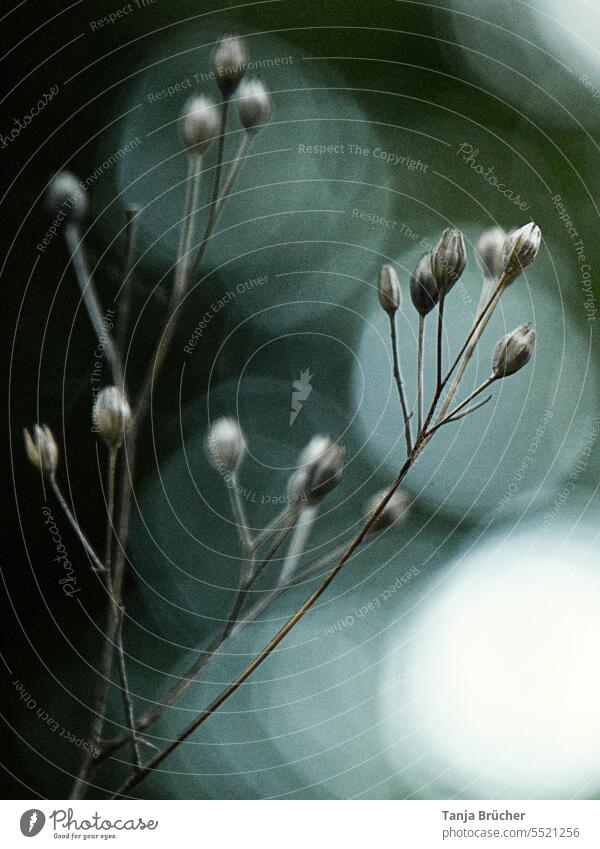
(201, 121)
(513, 351)
(111, 416)
(395, 511)
(42, 449)
(225, 445)
(321, 465)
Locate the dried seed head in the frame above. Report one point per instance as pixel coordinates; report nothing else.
(520, 249)
(490, 252)
(321, 467)
(199, 123)
(225, 445)
(229, 63)
(448, 259)
(254, 104)
(394, 512)
(513, 351)
(111, 415)
(423, 288)
(389, 289)
(64, 196)
(42, 449)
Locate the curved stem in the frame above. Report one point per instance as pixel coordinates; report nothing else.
(420, 373)
(98, 565)
(399, 385)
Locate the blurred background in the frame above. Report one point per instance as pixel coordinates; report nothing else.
(456, 655)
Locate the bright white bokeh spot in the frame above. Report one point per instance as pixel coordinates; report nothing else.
(505, 685)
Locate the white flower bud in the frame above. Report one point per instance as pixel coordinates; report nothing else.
(394, 512)
(254, 104)
(224, 445)
(423, 288)
(513, 351)
(520, 249)
(199, 123)
(389, 289)
(111, 415)
(321, 467)
(448, 259)
(490, 252)
(65, 196)
(42, 449)
(229, 63)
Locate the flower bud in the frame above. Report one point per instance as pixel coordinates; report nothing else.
(229, 63)
(389, 289)
(448, 259)
(394, 512)
(65, 196)
(520, 249)
(254, 104)
(111, 415)
(42, 449)
(490, 252)
(513, 351)
(199, 123)
(225, 445)
(322, 465)
(423, 288)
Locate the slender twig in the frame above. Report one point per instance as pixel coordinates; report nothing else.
(301, 533)
(420, 373)
(126, 284)
(440, 332)
(399, 385)
(269, 530)
(127, 702)
(239, 513)
(90, 299)
(98, 565)
(467, 412)
(218, 163)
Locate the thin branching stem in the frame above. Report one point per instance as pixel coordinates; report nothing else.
(440, 340)
(299, 539)
(399, 384)
(420, 375)
(98, 565)
(90, 299)
(127, 281)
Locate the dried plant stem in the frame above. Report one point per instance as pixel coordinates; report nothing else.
(98, 565)
(239, 513)
(218, 163)
(302, 531)
(420, 375)
(270, 529)
(440, 339)
(271, 645)
(126, 286)
(90, 299)
(399, 385)
(127, 702)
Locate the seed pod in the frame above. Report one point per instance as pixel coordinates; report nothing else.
(490, 252)
(448, 259)
(254, 104)
(423, 288)
(65, 196)
(199, 123)
(42, 449)
(229, 63)
(225, 445)
(520, 249)
(111, 416)
(389, 289)
(321, 467)
(513, 351)
(394, 512)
